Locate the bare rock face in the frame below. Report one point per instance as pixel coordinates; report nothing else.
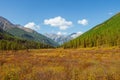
(61, 39)
(5, 24)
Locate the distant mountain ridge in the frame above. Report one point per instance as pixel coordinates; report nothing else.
(62, 38)
(24, 33)
(103, 35)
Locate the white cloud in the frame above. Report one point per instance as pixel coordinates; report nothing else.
(61, 33)
(33, 26)
(59, 22)
(83, 22)
(77, 34)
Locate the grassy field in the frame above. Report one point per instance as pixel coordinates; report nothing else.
(61, 64)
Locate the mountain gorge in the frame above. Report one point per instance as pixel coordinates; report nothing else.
(106, 34)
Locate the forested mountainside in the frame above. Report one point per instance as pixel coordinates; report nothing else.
(10, 42)
(103, 35)
(24, 33)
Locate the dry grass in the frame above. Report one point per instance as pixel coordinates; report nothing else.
(60, 64)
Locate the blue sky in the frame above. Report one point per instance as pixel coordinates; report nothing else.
(59, 16)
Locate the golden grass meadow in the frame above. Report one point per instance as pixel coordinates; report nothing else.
(61, 64)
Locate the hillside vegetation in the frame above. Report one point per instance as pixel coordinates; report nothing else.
(10, 42)
(106, 34)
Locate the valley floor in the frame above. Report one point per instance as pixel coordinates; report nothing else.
(61, 64)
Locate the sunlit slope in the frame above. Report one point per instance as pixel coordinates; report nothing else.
(103, 35)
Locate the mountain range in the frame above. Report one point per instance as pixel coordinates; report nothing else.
(24, 33)
(61, 38)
